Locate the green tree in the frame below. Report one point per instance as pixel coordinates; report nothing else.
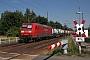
(58, 25)
(70, 29)
(65, 27)
(18, 18)
(41, 20)
(14, 31)
(10, 19)
(1, 28)
(33, 16)
(28, 15)
(6, 24)
(52, 24)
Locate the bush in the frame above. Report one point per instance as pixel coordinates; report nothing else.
(14, 31)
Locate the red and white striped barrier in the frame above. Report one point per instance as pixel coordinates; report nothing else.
(54, 45)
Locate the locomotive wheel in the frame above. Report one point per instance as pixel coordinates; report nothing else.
(37, 40)
(26, 40)
(20, 41)
(47, 38)
(34, 40)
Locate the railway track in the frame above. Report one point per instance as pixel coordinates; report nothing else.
(30, 49)
(39, 47)
(85, 46)
(26, 48)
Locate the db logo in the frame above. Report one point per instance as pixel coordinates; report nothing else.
(80, 29)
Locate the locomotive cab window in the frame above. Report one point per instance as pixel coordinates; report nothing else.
(29, 26)
(24, 26)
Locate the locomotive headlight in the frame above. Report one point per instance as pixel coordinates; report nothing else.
(29, 31)
(22, 31)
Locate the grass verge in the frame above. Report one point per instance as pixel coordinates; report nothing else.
(72, 50)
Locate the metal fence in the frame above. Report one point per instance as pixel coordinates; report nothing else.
(9, 40)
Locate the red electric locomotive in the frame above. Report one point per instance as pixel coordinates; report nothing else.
(34, 31)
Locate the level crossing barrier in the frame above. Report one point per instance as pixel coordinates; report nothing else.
(54, 45)
(63, 43)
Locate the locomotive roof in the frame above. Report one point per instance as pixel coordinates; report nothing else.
(27, 23)
(38, 24)
(44, 25)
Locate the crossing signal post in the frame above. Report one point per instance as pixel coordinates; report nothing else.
(80, 34)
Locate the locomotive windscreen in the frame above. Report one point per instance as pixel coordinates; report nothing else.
(29, 26)
(26, 26)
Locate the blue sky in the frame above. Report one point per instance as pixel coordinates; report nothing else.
(63, 11)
